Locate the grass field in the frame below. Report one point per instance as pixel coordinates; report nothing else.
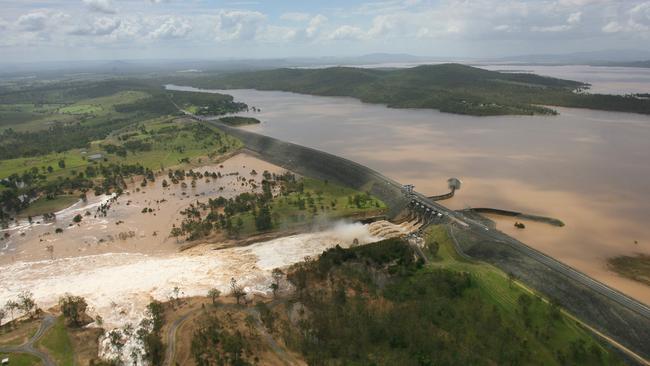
(169, 147)
(82, 109)
(31, 117)
(287, 215)
(495, 285)
(74, 159)
(56, 342)
(21, 359)
(44, 205)
(16, 334)
(13, 115)
(103, 105)
(167, 151)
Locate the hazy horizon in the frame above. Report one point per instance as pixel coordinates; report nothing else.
(62, 30)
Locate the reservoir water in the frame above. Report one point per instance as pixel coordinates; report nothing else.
(591, 169)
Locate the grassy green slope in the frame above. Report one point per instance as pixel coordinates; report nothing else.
(21, 359)
(375, 305)
(56, 342)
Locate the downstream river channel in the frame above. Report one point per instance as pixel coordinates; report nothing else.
(590, 169)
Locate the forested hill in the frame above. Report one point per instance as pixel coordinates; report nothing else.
(450, 88)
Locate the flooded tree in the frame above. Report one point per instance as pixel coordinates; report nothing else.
(73, 309)
(236, 290)
(26, 303)
(11, 306)
(277, 275)
(214, 295)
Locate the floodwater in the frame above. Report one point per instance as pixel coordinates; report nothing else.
(590, 169)
(603, 79)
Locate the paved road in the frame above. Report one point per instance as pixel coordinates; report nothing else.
(170, 352)
(28, 347)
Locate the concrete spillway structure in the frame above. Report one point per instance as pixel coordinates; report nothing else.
(608, 311)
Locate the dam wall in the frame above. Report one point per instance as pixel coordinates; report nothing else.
(606, 310)
(320, 165)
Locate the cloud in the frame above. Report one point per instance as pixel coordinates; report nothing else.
(171, 28)
(99, 27)
(612, 27)
(100, 6)
(426, 26)
(33, 22)
(503, 28)
(238, 25)
(347, 32)
(574, 18)
(551, 28)
(315, 25)
(635, 20)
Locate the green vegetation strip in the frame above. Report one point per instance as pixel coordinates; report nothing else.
(56, 342)
(239, 121)
(44, 205)
(21, 359)
(302, 201)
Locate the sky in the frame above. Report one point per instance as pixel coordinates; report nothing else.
(47, 30)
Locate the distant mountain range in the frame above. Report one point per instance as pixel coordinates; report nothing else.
(632, 58)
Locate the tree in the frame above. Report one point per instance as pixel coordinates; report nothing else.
(239, 224)
(263, 219)
(73, 308)
(26, 302)
(77, 219)
(12, 306)
(214, 294)
(50, 249)
(156, 312)
(277, 275)
(236, 290)
(154, 349)
(176, 232)
(3, 314)
(61, 163)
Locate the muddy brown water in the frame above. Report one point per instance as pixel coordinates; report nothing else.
(590, 169)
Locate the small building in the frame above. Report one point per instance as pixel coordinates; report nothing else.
(4, 361)
(95, 157)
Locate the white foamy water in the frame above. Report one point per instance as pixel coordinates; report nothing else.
(119, 286)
